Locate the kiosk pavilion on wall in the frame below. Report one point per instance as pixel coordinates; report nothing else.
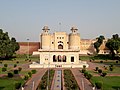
(59, 50)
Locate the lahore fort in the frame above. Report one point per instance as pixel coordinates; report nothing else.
(60, 49)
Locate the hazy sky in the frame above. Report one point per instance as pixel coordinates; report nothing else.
(24, 19)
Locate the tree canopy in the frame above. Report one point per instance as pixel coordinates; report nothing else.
(98, 43)
(113, 44)
(7, 46)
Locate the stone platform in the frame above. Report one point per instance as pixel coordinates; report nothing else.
(59, 65)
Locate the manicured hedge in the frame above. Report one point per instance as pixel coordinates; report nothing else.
(44, 81)
(70, 82)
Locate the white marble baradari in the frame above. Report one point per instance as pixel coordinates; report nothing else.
(60, 50)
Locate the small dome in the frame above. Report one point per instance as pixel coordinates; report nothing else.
(74, 28)
(45, 28)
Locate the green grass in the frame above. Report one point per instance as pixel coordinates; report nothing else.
(85, 57)
(109, 82)
(96, 57)
(24, 72)
(20, 58)
(9, 83)
(107, 63)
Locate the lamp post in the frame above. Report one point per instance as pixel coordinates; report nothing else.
(28, 48)
(82, 84)
(48, 71)
(48, 84)
(33, 85)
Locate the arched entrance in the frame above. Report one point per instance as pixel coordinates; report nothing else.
(60, 46)
(54, 58)
(59, 58)
(64, 58)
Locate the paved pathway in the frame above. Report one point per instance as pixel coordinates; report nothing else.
(35, 80)
(83, 83)
(57, 80)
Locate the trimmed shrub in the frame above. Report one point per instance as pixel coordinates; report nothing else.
(83, 70)
(10, 75)
(26, 77)
(17, 62)
(104, 74)
(85, 73)
(33, 71)
(117, 61)
(98, 85)
(5, 65)
(89, 76)
(111, 65)
(84, 66)
(105, 68)
(16, 72)
(17, 85)
(0, 62)
(101, 61)
(4, 69)
(99, 70)
(15, 65)
(19, 69)
(111, 68)
(30, 74)
(96, 68)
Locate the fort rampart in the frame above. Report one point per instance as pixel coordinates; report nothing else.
(28, 47)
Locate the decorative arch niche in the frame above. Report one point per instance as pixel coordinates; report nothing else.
(60, 46)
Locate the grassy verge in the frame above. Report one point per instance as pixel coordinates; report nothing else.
(109, 82)
(9, 83)
(96, 57)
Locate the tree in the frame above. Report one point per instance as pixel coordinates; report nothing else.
(113, 45)
(7, 46)
(98, 43)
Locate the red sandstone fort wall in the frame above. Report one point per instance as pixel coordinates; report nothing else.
(33, 46)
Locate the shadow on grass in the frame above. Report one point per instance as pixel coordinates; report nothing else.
(116, 87)
(1, 88)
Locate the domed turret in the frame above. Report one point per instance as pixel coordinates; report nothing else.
(45, 38)
(74, 39)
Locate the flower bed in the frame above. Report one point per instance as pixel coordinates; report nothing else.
(70, 82)
(44, 81)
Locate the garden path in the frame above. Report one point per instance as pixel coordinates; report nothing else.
(33, 82)
(83, 83)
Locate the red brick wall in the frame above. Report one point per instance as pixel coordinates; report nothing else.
(33, 46)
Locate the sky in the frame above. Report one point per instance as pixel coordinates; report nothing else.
(24, 19)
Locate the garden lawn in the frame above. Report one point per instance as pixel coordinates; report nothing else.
(85, 58)
(109, 82)
(116, 66)
(9, 83)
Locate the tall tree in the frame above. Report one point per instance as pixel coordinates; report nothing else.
(113, 45)
(7, 46)
(98, 43)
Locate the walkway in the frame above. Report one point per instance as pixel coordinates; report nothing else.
(83, 83)
(57, 80)
(33, 83)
